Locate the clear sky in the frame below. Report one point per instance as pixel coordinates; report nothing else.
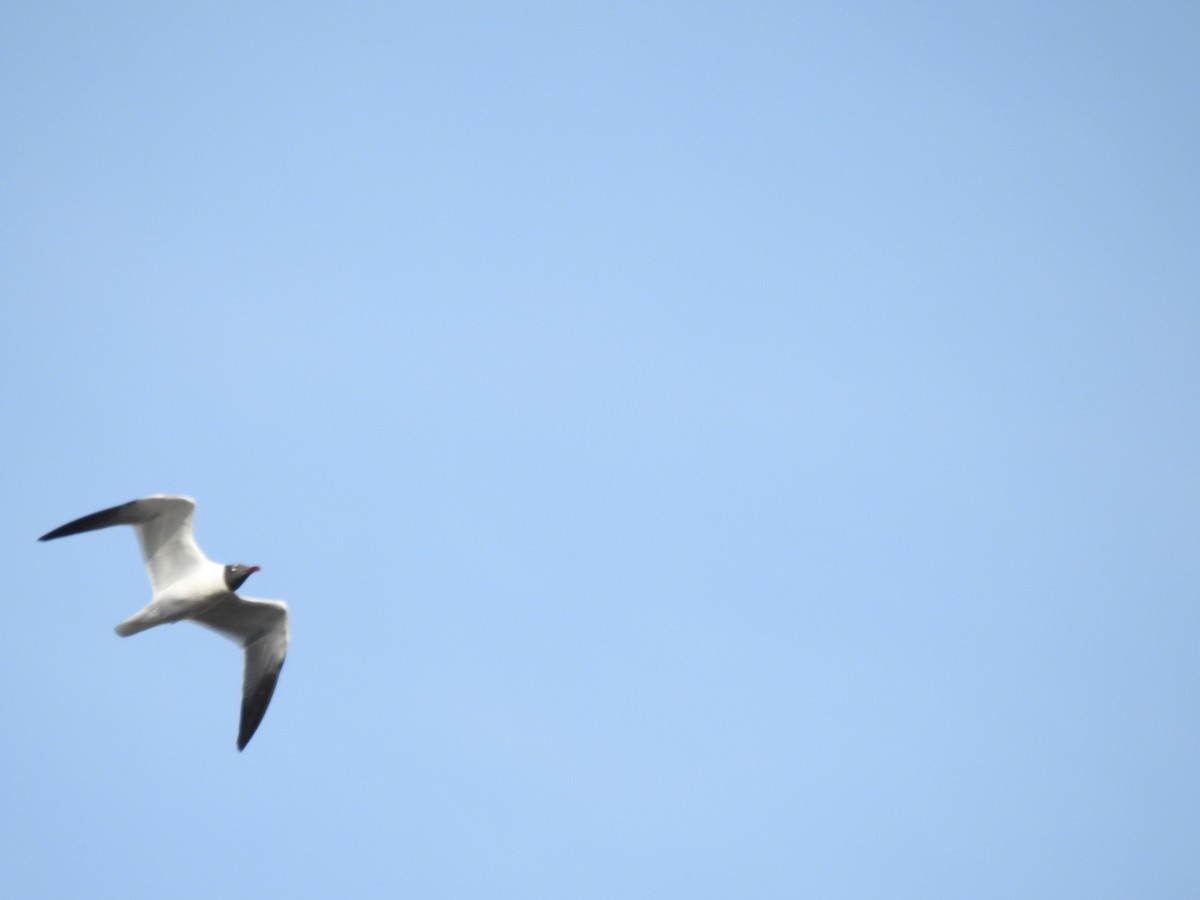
(709, 450)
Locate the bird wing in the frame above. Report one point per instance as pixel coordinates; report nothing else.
(260, 627)
(164, 529)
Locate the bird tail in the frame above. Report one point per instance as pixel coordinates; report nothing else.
(139, 621)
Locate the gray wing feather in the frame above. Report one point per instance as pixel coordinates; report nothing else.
(260, 627)
(164, 529)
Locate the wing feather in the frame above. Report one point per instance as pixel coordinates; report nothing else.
(164, 529)
(260, 627)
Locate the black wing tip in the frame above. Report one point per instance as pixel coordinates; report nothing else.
(93, 521)
(61, 531)
(254, 707)
(244, 737)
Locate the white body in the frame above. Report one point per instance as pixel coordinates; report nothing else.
(192, 592)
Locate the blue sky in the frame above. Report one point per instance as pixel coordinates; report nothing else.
(708, 450)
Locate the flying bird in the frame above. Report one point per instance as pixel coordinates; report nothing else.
(187, 585)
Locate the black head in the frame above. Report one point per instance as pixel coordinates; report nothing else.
(236, 575)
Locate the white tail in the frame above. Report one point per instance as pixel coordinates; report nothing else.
(139, 621)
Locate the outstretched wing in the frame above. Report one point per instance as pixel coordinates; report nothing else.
(164, 528)
(260, 627)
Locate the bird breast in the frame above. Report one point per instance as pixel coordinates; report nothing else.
(200, 586)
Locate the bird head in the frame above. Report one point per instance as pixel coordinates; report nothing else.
(236, 575)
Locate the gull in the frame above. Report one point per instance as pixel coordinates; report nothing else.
(187, 585)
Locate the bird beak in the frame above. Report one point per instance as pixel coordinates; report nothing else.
(253, 569)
